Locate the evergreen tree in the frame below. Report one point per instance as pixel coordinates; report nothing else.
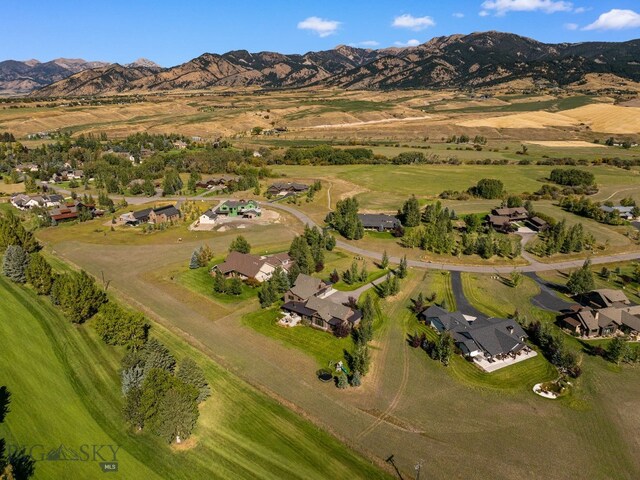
(191, 374)
(12, 232)
(77, 295)
(132, 410)
(280, 280)
(234, 286)
(39, 274)
(219, 282)
(384, 263)
(343, 381)
(177, 413)
(402, 268)
(267, 294)
(410, 213)
(157, 356)
(15, 263)
(240, 244)
(195, 259)
(356, 379)
(300, 253)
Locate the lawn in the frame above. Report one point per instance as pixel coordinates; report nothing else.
(65, 390)
(199, 280)
(322, 346)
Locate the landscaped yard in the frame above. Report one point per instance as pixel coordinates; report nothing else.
(323, 346)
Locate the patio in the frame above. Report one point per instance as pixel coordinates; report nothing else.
(495, 364)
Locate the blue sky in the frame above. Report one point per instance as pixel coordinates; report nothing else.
(172, 32)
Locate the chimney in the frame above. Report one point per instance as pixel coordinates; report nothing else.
(510, 328)
(596, 315)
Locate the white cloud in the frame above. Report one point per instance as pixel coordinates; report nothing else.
(319, 26)
(484, 13)
(458, 15)
(501, 7)
(409, 43)
(414, 23)
(580, 10)
(367, 43)
(571, 26)
(616, 19)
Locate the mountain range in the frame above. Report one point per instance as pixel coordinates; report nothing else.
(461, 61)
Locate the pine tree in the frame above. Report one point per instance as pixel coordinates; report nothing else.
(195, 259)
(300, 253)
(267, 294)
(402, 268)
(39, 274)
(191, 374)
(411, 212)
(15, 263)
(384, 263)
(157, 356)
(343, 381)
(356, 379)
(219, 282)
(177, 413)
(234, 286)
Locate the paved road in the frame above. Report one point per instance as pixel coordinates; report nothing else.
(534, 265)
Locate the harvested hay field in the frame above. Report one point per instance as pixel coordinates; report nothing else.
(599, 117)
(523, 120)
(565, 144)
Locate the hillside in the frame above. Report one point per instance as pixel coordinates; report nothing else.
(458, 61)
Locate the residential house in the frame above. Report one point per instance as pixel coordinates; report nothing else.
(626, 213)
(322, 313)
(27, 167)
(218, 183)
(168, 213)
(306, 287)
(603, 313)
(491, 338)
(537, 224)
(25, 202)
(252, 267)
(136, 218)
(244, 208)
(286, 188)
(378, 221)
(71, 211)
(208, 218)
(503, 218)
(180, 145)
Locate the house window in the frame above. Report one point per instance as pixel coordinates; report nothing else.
(318, 321)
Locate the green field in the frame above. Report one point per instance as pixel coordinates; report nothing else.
(387, 186)
(65, 390)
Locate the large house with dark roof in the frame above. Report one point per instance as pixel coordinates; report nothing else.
(247, 266)
(491, 338)
(286, 188)
(168, 213)
(378, 221)
(322, 313)
(603, 313)
(306, 287)
(502, 219)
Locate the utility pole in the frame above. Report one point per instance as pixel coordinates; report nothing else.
(418, 467)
